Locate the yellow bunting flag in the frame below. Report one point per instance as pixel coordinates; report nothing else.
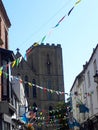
(41, 113)
(35, 44)
(0, 72)
(13, 64)
(78, 2)
(30, 84)
(1, 68)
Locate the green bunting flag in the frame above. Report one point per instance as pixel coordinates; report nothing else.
(43, 39)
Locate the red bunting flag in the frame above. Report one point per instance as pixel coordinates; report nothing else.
(59, 21)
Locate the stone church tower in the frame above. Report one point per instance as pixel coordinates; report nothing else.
(44, 69)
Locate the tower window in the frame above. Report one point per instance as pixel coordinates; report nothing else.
(48, 64)
(26, 86)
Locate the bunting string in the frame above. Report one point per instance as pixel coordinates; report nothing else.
(37, 86)
(40, 118)
(59, 22)
(50, 31)
(16, 63)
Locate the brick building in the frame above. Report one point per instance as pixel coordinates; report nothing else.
(6, 56)
(4, 27)
(9, 101)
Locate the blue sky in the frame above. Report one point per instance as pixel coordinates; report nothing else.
(77, 33)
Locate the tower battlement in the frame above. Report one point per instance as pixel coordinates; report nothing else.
(42, 44)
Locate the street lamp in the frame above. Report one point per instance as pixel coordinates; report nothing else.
(96, 77)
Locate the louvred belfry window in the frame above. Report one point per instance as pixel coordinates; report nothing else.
(48, 64)
(26, 86)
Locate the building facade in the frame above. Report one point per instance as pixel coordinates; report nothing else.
(6, 56)
(4, 27)
(6, 107)
(85, 91)
(44, 70)
(9, 100)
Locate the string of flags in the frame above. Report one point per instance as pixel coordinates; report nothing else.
(16, 63)
(13, 63)
(59, 22)
(40, 87)
(44, 37)
(40, 118)
(54, 119)
(85, 94)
